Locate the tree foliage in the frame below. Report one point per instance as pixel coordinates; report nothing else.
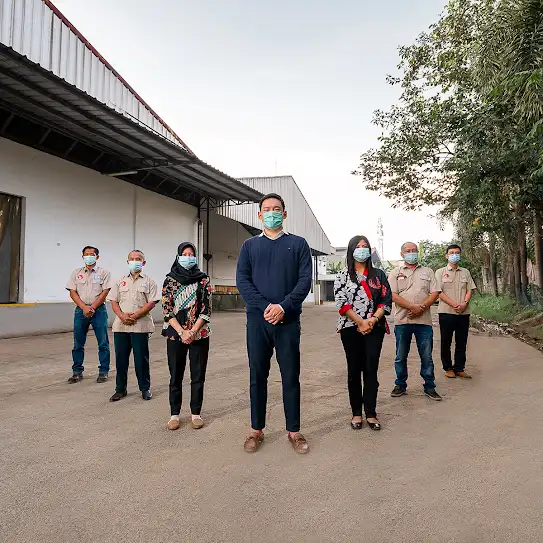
(467, 132)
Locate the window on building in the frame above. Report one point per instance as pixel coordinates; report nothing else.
(10, 247)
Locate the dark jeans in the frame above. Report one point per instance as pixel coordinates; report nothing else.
(457, 325)
(424, 336)
(198, 352)
(262, 338)
(362, 354)
(125, 342)
(81, 328)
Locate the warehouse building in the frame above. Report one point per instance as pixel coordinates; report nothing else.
(85, 160)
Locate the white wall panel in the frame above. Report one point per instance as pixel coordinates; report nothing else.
(67, 207)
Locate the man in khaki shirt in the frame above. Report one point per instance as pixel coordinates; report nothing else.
(414, 291)
(456, 286)
(88, 288)
(132, 298)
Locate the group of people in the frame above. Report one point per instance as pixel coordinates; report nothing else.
(274, 275)
(364, 296)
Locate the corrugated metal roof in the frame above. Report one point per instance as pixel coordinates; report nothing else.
(39, 31)
(300, 217)
(31, 91)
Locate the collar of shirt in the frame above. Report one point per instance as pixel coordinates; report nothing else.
(450, 268)
(282, 233)
(407, 267)
(140, 275)
(86, 270)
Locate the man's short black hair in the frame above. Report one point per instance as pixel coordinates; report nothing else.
(268, 197)
(95, 249)
(453, 246)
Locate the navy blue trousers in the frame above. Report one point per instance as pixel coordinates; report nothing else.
(262, 339)
(125, 343)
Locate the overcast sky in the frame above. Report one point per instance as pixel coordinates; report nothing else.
(269, 88)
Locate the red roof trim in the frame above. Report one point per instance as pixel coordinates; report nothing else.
(63, 18)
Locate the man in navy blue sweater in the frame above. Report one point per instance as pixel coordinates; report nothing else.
(274, 278)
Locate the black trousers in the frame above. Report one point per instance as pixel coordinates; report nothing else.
(457, 326)
(363, 353)
(262, 339)
(198, 352)
(125, 343)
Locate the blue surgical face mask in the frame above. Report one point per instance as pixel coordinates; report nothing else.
(411, 258)
(135, 266)
(273, 219)
(187, 262)
(89, 260)
(361, 254)
(454, 258)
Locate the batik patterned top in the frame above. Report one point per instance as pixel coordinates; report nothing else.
(364, 297)
(187, 303)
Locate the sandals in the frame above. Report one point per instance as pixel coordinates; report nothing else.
(299, 443)
(252, 443)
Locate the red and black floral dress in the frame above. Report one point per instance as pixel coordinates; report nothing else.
(363, 297)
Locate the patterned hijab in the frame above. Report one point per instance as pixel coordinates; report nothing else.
(182, 275)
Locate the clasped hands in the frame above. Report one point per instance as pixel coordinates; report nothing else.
(129, 319)
(365, 326)
(274, 314)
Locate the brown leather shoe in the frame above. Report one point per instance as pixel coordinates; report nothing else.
(174, 424)
(252, 443)
(299, 443)
(450, 374)
(197, 424)
(463, 375)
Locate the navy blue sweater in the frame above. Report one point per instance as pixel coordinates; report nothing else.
(274, 272)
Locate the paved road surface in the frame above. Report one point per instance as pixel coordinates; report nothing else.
(75, 468)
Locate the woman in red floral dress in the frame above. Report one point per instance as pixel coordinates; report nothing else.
(186, 301)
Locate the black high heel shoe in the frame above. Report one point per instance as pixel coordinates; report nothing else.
(376, 426)
(356, 425)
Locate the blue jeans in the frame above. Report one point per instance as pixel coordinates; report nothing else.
(81, 328)
(424, 336)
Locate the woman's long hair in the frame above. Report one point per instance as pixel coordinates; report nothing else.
(351, 261)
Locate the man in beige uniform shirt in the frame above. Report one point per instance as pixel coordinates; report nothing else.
(132, 298)
(456, 286)
(88, 288)
(414, 291)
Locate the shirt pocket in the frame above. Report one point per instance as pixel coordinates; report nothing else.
(447, 284)
(402, 284)
(142, 294)
(423, 290)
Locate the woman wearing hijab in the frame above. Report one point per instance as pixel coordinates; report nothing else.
(186, 301)
(363, 298)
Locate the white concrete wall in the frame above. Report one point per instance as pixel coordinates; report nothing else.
(67, 207)
(226, 238)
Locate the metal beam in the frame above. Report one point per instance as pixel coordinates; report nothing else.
(7, 122)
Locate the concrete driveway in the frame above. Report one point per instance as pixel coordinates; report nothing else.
(76, 468)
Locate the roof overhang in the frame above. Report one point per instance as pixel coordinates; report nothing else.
(81, 129)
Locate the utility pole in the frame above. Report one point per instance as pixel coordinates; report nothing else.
(380, 239)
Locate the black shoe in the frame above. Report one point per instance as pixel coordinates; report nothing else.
(102, 378)
(433, 395)
(356, 425)
(146, 395)
(117, 396)
(374, 425)
(398, 391)
(75, 378)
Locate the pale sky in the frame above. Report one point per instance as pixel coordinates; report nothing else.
(260, 88)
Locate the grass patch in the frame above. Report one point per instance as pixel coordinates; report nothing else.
(495, 308)
(502, 308)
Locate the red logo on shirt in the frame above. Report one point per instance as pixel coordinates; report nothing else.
(123, 284)
(80, 276)
(446, 275)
